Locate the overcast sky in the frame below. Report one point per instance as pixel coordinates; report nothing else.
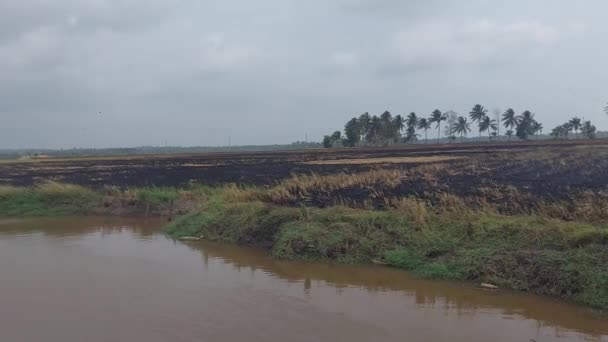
(193, 72)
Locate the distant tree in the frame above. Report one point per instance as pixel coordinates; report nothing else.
(462, 127)
(510, 120)
(452, 138)
(364, 123)
(437, 117)
(567, 128)
(576, 124)
(452, 117)
(398, 126)
(561, 131)
(606, 109)
(386, 123)
(336, 137)
(556, 132)
(411, 123)
(374, 129)
(487, 124)
(509, 133)
(537, 127)
(477, 114)
(588, 130)
(412, 120)
(524, 127)
(352, 133)
(327, 141)
(425, 125)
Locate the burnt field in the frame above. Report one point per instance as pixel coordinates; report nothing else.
(548, 171)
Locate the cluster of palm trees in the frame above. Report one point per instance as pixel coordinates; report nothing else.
(387, 129)
(368, 130)
(574, 125)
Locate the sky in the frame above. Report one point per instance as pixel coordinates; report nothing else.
(111, 73)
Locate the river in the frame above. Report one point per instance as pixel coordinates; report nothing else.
(107, 279)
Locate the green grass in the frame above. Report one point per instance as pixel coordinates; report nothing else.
(156, 195)
(48, 199)
(53, 199)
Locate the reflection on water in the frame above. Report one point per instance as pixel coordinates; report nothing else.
(119, 279)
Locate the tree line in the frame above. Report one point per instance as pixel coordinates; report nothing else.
(574, 125)
(387, 129)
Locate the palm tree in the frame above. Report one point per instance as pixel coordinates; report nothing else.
(509, 133)
(487, 124)
(462, 127)
(526, 116)
(386, 120)
(510, 120)
(606, 108)
(477, 114)
(576, 124)
(588, 130)
(412, 124)
(424, 124)
(398, 126)
(537, 127)
(412, 120)
(437, 117)
(524, 126)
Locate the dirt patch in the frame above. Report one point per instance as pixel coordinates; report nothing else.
(386, 160)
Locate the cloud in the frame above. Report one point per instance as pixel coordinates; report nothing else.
(435, 44)
(344, 59)
(189, 70)
(22, 17)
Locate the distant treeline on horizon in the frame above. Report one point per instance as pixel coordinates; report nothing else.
(120, 151)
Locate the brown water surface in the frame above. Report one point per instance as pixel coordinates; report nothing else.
(95, 279)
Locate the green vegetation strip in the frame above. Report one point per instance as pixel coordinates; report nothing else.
(525, 253)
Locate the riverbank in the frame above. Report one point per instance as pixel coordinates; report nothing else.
(450, 240)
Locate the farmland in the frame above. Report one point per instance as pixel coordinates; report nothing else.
(524, 216)
(511, 176)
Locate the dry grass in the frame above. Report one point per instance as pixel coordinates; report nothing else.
(299, 186)
(233, 193)
(415, 209)
(59, 188)
(387, 160)
(6, 190)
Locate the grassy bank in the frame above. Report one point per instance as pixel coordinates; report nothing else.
(53, 199)
(447, 239)
(48, 199)
(525, 253)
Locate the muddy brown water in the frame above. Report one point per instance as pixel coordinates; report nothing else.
(96, 279)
